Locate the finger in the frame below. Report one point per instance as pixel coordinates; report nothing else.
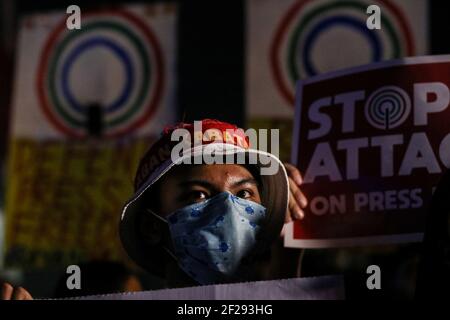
(288, 215)
(298, 194)
(294, 173)
(27, 295)
(7, 291)
(283, 231)
(296, 212)
(21, 294)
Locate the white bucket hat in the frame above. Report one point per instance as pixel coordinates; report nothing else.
(273, 178)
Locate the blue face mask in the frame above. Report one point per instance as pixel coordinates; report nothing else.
(211, 238)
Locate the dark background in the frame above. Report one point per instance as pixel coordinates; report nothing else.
(211, 71)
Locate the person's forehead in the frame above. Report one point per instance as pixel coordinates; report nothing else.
(217, 171)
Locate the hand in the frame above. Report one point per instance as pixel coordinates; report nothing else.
(11, 293)
(297, 200)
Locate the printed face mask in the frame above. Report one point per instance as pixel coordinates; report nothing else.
(211, 238)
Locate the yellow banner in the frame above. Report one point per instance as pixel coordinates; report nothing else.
(64, 200)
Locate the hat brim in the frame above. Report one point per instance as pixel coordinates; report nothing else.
(275, 197)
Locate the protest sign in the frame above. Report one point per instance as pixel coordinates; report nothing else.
(372, 142)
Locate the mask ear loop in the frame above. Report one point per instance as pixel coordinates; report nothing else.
(171, 254)
(300, 263)
(156, 215)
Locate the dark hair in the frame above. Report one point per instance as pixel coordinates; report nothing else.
(97, 277)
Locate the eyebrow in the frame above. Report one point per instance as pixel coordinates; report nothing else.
(207, 184)
(246, 181)
(201, 182)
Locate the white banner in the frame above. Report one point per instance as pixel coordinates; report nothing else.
(314, 288)
(121, 59)
(288, 40)
(65, 192)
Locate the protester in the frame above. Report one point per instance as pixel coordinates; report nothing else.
(201, 223)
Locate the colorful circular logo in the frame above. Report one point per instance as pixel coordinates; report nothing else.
(114, 61)
(387, 108)
(305, 42)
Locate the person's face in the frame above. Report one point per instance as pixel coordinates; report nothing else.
(184, 185)
(188, 184)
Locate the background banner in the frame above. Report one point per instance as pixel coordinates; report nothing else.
(86, 105)
(288, 40)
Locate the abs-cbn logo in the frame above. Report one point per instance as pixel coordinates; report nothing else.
(387, 107)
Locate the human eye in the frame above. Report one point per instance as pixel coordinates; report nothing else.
(194, 196)
(244, 194)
